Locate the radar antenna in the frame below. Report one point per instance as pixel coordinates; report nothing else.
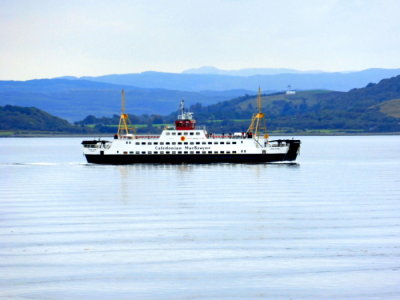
(258, 124)
(184, 115)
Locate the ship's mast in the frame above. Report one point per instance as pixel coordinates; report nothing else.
(182, 107)
(123, 127)
(258, 124)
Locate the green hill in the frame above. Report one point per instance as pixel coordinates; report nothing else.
(360, 110)
(16, 118)
(390, 108)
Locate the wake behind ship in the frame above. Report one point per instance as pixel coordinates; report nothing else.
(187, 143)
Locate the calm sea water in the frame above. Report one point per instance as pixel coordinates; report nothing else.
(327, 227)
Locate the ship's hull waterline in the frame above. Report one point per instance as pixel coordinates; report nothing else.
(125, 159)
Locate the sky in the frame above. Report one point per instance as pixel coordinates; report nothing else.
(48, 38)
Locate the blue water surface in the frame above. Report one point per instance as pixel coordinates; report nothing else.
(326, 227)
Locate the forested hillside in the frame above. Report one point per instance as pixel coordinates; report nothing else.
(14, 118)
(356, 110)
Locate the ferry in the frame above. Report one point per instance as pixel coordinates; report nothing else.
(185, 142)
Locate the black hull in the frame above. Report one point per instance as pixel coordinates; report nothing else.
(125, 159)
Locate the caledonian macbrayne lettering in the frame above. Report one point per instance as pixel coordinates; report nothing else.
(180, 148)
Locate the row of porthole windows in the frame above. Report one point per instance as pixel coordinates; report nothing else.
(183, 143)
(182, 133)
(179, 152)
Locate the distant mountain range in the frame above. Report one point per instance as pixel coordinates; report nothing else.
(272, 82)
(75, 99)
(247, 72)
(159, 93)
(374, 108)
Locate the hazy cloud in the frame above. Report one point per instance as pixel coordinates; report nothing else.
(53, 38)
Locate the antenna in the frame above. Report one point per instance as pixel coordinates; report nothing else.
(123, 102)
(259, 100)
(182, 106)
